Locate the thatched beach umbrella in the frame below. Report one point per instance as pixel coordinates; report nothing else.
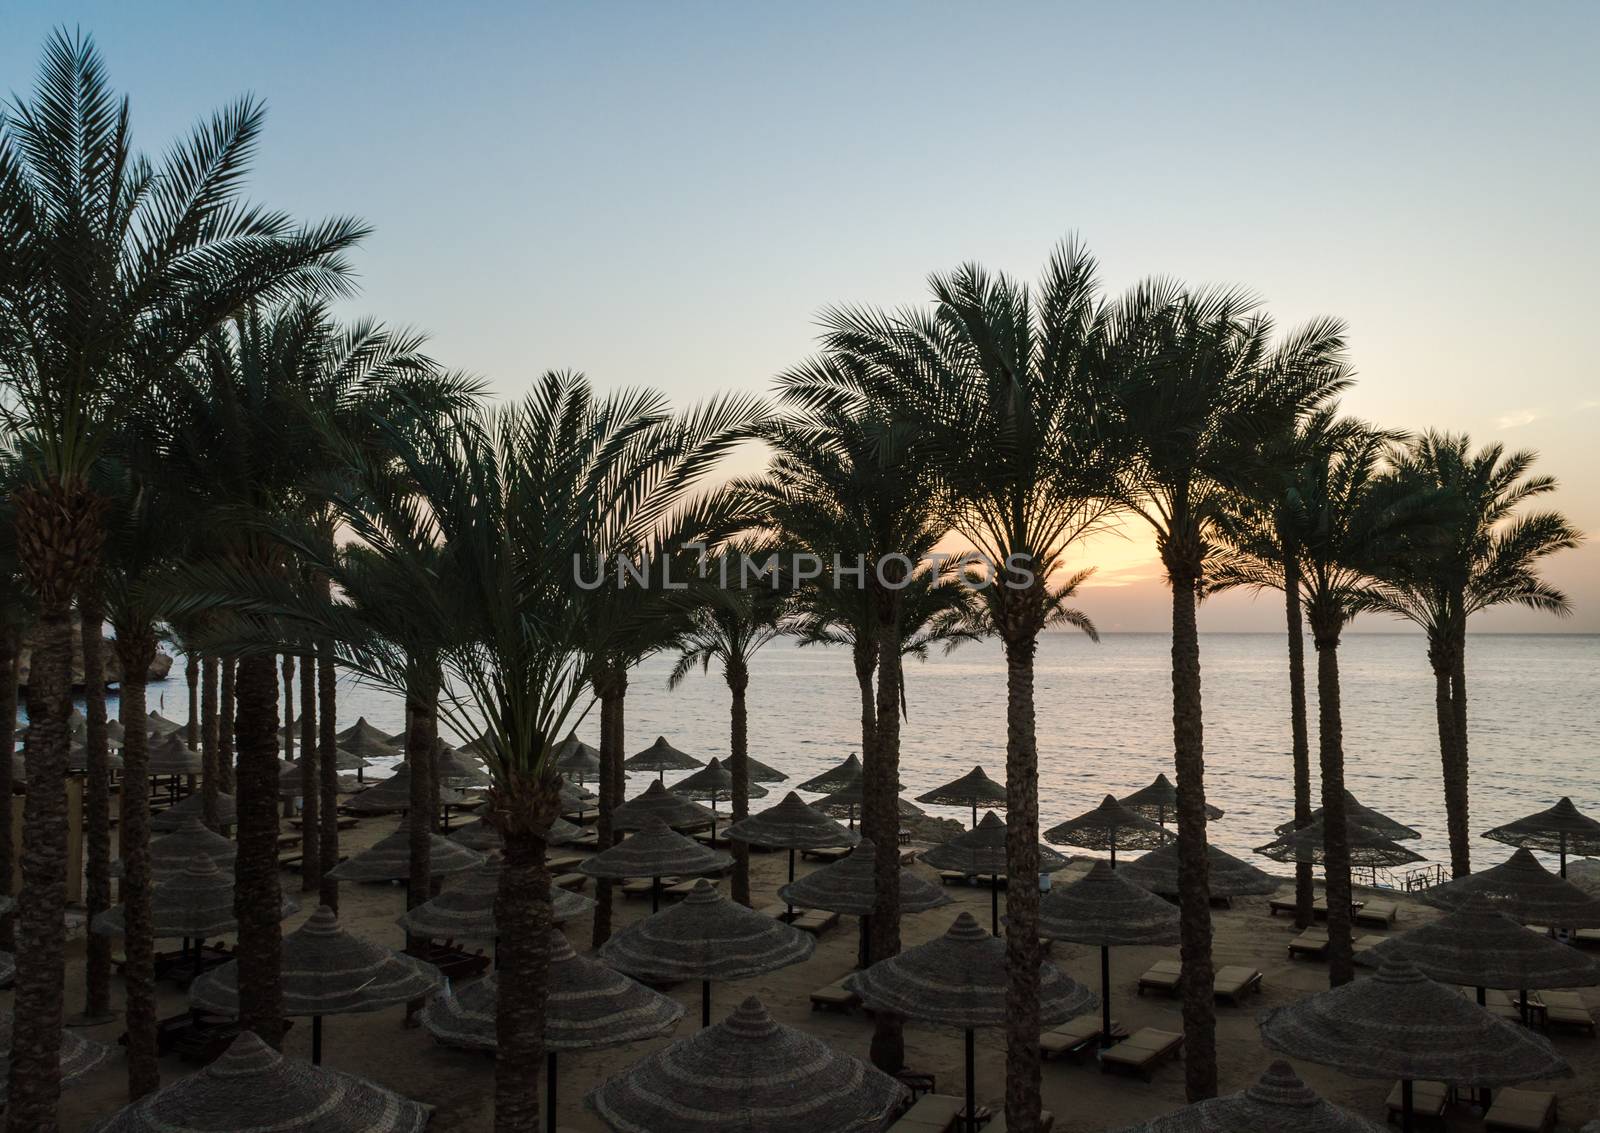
(171, 756)
(959, 980)
(1357, 814)
(176, 816)
(389, 858)
(393, 795)
(706, 937)
(465, 909)
(1231, 877)
(452, 769)
(576, 758)
(291, 784)
(588, 1006)
(1523, 889)
(78, 1055)
(1279, 1102)
(1108, 826)
(791, 825)
(1105, 909)
(254, 1087)
(656, 851)
(713, 783)
(841, 775)
(748, 1074)
(158, 725)
(1585, 874)
(974, 789)
(1562, 829)
(846, 803)
(761, 773)
(661, 757)
(192, 841)
(1400, 1024)
(1368, 848)
(982, 850)
(194, 903)
(849, 886)
(1159, 801)
(362, 739)
(656, 801)
(326, 971)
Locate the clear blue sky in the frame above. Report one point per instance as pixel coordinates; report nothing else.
(666, 193)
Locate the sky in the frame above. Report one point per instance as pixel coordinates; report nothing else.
(668, 194)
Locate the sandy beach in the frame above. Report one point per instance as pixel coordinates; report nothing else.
(460, 1083)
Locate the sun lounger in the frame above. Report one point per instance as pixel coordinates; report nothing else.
(564, 862)
(778, 912)
(1281, 905)
(572, 881)
(834, 997)
(1163, 976)
(1427, 1100)
(815, 921)
(684, 888)
(1362, 943)
(954, 877)
(932, 1113)
(1235, 981)
(1524, 1111)
(1312, 944)
(1076, 1037)
(1567, 1009)
(1587, 936)
(1142, 1052)
(1047, 1122)
(642, 886)
(1383, 913)
(826, 853)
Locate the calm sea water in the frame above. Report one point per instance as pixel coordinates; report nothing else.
(1104, 721)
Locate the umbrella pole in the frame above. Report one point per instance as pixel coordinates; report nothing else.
(791, 878)
(1522, 1005)
(705, 1003)
(972, 1108)
(862, 950)
(974, 815)
(1105, 996)
(1405, 1105)
(1563, 855)
(550, 1090)
(713, 821)
(1483, 998)
(994, 903)
(316, 1040)
(1113, 849)
(655, 894)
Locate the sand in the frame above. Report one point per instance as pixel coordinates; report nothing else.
(460, 1084)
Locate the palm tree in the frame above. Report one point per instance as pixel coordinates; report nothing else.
(1196, 391)
(995, 379)
(1484, 555)
(15, 604)
(97, 803)
(110, 269)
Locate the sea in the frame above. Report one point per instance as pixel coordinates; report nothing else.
(1104, 715)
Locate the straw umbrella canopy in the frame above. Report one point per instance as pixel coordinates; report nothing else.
(393, 795)
(1400, 1024)
(193, 806)
(959, 980)
(655, 851)
(326, 971)
(1108, 827)
(389, 858)
(158, 725)
(453, 769)
(792, 825)
(1104, 908)
(1563, 829)
(1523, 889)
(1279, 1102)
(1159, 801)
(842, 775)
(658, 802)
(1585, 874)
(465, 910)
(574, 757)
(192, 841)
(1231, 877)
(116, 732)
(291, 785)
(974, 789)
(78, 1055)
(588, 1006)
(982, 850)
(194, 903)
(366, 740)
(661, 757)
(254, 1087)
(761, 773)
(171, 756)
(483, 835)
(1309, 844)
(713, 783)
(1358, 814)
(748, 1074)
(8, 968)
(847, 800)
(849, 886)
(706, 937)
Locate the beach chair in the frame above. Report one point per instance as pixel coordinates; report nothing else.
(572, 881)
(1567, 1009)
(1235, 981)
(1142, 1052)
(1362, 943)
(932, 1113)
(1503, 1004)
(778, 912)
(1047, 1122)
(641, 886)
(1427, 1101)
(1163, 976)
(564, 862)
(1587, 937)
(1281, 905)
(815, 921)
(1380, 913)
(826, 853)
(835, 997)
(954, 877)
(1312, 944)
(1523, 1111)
(683, 888)
(1076, 1037)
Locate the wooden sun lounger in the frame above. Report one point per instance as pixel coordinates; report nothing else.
(778, 912)
(932, 1113)
(1362, 943)
(1047, 1122)
(1427, 1100)
(1142, 1052)
(1076, 1037)
(572, 881)
(1163, 976)
(815, 921)
(1383, 913)
(1312, 944)
(564, 862)
(1567, 1009)
(834, 997)
(1523, 1111)
(705, 839)
(641, 886)
(683, 888)
(1235, 981)
(826, 853)
(1587, 936)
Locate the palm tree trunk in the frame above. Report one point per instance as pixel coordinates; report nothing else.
(10, 645)
(257, 897)
(523, 809)
(136, 649)
(1304, 889)
(211, 729)
(328, 774)
(888, 1035)
(225, 713)
(1441, 661)
(739, 768)
(288, 707)
(1022, 890)
(1194, 867)
(611, 686)
(866, 662)
(310, 782)
(1335, 822)
(191, 677)
(97, 806)
(1456, 789)
(422, 733)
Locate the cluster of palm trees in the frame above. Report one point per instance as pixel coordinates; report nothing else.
(197, 449)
